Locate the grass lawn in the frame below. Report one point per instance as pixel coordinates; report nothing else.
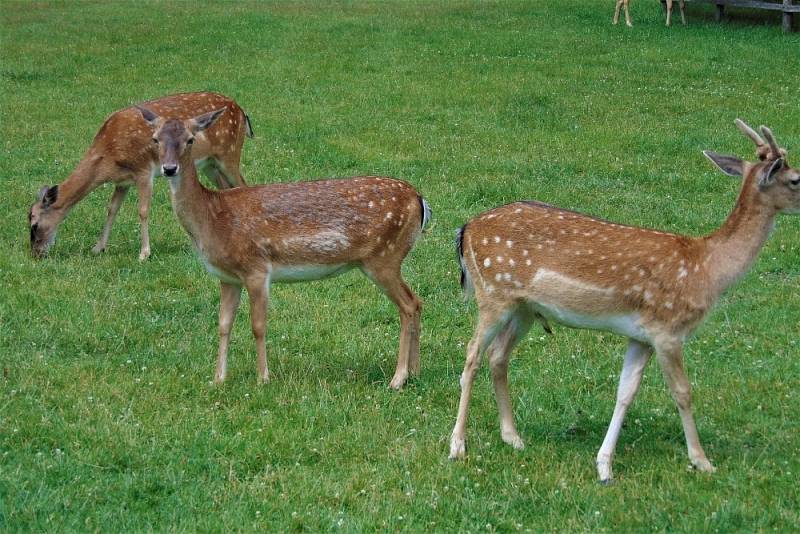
(108, 420)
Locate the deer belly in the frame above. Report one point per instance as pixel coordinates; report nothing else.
(624, 324)
(302, 273)
(581, 304)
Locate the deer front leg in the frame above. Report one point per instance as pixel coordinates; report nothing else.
(229, 297)
(636, 358)
(670, 358)
(682, 4)
(229, 166)
(258, 291)
(669, 11)
(113, 207)
(145, 190)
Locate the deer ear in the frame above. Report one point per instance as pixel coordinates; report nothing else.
(149, 117)
(768, 174)
(730, 165)
(205, 121)
(48, 195)
(41, 193)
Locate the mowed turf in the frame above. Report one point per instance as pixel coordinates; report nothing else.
(108, 419)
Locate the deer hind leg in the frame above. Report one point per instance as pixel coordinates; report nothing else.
(636, 358)
(258, 291)
(682, 5)
(229, 297)
(499, 352)
(113, 207)
(391, 282)
(670, 358)
(488, 320)
(669, 11)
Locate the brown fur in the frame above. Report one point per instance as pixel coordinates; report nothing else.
(530, 262)
(123, 153)
(282, 232)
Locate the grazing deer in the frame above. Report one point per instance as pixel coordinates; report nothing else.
(624, 3)
(123, 152)
(292, 232)
(530, 262)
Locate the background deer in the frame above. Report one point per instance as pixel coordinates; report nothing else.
(292, 232)
(530, 262)
(123, 152)
(624, 3)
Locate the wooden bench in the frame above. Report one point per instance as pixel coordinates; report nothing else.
(788, 7)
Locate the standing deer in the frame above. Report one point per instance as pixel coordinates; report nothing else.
(681, 4)
(530, 262)
(624, 3)
(123, 152)
(292, 232)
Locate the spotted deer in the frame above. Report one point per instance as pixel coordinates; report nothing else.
(529, 262)
(290, 232)
(124, 154)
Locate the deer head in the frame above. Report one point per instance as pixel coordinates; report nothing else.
(174, 137)
(43, 220)
(776, 182)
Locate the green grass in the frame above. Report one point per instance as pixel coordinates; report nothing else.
(107, 418)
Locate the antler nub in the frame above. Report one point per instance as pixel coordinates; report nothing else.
(763, 151)
(777, 152)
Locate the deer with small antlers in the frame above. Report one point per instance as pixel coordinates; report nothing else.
(290, 232)
(123, 153)
(530, 262)
(629, 23)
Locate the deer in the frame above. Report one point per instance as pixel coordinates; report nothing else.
(624, 4)
(530, 262)
(682, 5)
(123, 153)
(292, 232)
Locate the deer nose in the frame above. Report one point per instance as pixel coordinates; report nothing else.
(169, 170)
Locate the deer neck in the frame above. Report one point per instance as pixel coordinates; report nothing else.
(733, 248)
(81, 181)
(191, 200)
